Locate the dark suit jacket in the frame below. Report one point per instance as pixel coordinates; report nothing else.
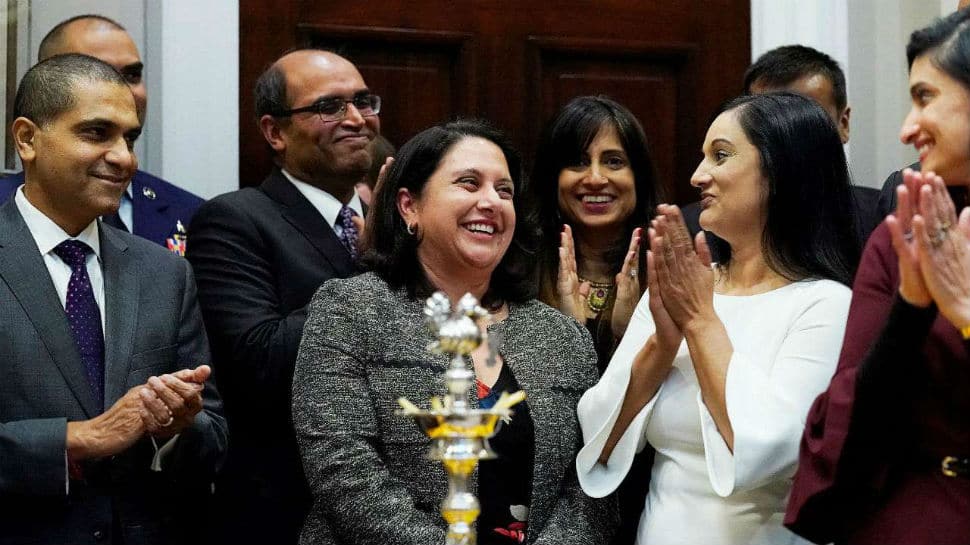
(152, 326)
(866, 205)
(259, 255)
(157, 206)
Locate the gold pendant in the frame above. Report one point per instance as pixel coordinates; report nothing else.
(599, 293)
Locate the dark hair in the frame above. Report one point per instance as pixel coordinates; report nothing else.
(563, 144)
(809, 218)
(47, 89)
(53, 40)
(781, 66)
(269, 93)
(948, 43)
(380, 149)
(392, 253)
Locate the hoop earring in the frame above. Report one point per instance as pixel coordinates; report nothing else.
(411, 230)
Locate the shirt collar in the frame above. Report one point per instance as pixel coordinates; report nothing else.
(325, 203)
(47, 234)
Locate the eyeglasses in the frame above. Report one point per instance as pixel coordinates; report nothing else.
(335, 109)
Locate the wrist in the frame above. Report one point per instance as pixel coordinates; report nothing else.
(665, 351)
(81, 442)
(920, 300)
(698, 325)
(961, 320)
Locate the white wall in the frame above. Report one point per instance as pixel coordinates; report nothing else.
(194, 46)
(868, 38)
(191, 54)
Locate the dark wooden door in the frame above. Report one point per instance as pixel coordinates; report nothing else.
(515, 62)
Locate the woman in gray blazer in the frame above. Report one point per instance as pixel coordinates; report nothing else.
(451, 217)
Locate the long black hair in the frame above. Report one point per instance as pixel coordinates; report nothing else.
(563, 144)
(392, 252)
(809, 223)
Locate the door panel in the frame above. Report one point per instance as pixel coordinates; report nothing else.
(671, 62)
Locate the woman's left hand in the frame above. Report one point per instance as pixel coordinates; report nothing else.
(684, 271)
(944, 256)
(627, 287)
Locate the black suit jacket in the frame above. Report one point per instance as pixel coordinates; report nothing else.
(152, 326)
(259, 255)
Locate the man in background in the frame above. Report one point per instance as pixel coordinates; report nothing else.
(151, 207)
(259, 255)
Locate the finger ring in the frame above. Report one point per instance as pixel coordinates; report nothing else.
(168, 422)
(938, 238)
(908, 236)
(633, 272)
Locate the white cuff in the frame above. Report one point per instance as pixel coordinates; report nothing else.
(162, 452)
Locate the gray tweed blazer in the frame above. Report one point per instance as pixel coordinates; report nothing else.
(363, 347)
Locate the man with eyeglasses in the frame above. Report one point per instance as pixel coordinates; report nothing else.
(259, 255)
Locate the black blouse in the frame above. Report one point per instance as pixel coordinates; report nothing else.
(505, 483)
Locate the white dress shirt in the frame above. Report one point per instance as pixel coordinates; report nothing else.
(126, 210)
(325, 203)
(47, 235)
(786, 346)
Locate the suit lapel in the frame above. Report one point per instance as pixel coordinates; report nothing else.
(298, 211)
(121, 300)
(22, 268)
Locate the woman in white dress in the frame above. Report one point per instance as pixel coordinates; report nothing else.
(719, 365)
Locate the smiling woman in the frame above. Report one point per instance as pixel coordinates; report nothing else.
(596, 189)
(719, 365)
(886, 450)
(449, 216)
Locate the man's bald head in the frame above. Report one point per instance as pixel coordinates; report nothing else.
(332, 154)
(104, 39)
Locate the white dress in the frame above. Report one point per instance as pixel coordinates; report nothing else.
(786, 346)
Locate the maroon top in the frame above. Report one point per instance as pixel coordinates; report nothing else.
(869, 468)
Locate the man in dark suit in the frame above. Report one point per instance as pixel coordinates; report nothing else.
(810, 72)
(110, 431)
(259, 255)
(151, 207)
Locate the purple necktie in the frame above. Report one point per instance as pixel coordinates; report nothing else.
(348, 236)
(83, 315)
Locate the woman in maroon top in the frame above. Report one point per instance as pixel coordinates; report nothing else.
(886, 452)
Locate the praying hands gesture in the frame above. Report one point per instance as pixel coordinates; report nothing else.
(911, 286)
(937, 249)
(685, 280)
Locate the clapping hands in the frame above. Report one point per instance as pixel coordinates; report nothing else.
(680, 278)
(170, 402)
(163, 407)
(931, 244)
(573, 292)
